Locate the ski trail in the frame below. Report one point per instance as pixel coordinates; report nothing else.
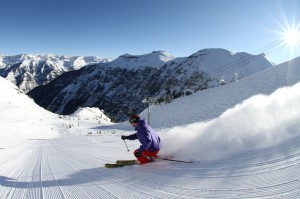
(53, 169)
(22, 173)
(90, 175)
(115, 183)
(88, 190)
(50, 185)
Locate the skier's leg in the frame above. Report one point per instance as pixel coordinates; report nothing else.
(146, 156)
(150, 153)
(142, 159)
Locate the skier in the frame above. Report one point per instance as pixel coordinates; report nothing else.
(150, 141)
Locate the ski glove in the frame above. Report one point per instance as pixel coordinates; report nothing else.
(123, 137)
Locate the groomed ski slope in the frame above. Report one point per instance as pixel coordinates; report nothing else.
(73, 168)
(260, 159)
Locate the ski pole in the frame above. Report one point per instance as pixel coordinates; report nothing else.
(175, 160)
(126, 146)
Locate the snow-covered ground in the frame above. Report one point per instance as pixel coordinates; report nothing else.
(243, 137)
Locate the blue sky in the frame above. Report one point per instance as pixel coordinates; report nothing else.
(180, 27)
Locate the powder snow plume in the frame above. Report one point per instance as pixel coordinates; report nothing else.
(258, 122)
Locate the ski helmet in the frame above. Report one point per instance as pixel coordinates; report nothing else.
(134, 118)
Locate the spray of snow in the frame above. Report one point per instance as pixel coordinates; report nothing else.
(258, 122)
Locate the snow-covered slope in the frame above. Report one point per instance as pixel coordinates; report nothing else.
(249, 150)
(28, 71)
(20, 115)
(259, 122)
(211, 103)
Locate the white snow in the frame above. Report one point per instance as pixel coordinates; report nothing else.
(20, 115)
(156, 59)
(227, 66)
(258, 122)
(91, 114)
(243, 137)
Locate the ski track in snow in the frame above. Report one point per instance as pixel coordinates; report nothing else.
(66, 168)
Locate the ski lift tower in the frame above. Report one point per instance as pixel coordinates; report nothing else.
(149, 101)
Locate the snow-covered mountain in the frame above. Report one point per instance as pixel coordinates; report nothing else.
(119, 86)
(28, 71)
(211, 103)
(204, 69)
(155, 59)
(227, 66)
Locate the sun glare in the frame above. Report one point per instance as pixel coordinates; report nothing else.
(292, 37)
(285, 44)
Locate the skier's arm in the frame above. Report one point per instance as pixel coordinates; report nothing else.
(132, 137)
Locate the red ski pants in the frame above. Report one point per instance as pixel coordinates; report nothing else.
(146, 156)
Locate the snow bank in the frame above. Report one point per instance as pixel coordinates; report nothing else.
(260, 121)
(21, 118)
(91, 114)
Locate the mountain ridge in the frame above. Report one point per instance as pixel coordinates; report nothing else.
(29, 71)
(120, 89)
